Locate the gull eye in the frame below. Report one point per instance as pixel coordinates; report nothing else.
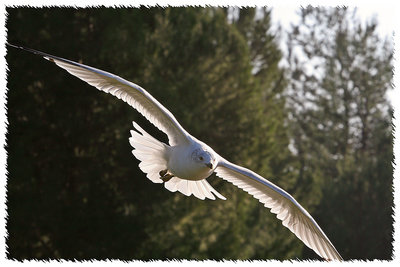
(201, 158)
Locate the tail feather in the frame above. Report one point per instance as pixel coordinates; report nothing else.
(150, 151)
(200, 189)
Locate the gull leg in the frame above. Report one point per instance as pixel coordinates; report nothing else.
(165, 176)
(163, 172)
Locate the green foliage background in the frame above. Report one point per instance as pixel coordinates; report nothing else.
(74, 190)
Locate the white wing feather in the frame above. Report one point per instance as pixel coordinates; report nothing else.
(286, 208)
(127, 91)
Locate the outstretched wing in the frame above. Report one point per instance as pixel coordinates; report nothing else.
(127, 91)
(286, 208)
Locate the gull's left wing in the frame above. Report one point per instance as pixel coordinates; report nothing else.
(286, 208)
(125, 90)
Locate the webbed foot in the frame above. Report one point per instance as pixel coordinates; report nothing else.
(165, 176)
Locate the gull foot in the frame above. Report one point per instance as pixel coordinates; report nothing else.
(163, 173)
(165, 176)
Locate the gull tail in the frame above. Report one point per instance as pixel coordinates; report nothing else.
(200, 189)
(151, 152)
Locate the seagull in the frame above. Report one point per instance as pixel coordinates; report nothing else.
(184, 164)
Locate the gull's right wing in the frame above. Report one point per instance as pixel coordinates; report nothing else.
(286, 208)
(134, 95)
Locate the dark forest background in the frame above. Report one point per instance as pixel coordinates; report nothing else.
(318, 125)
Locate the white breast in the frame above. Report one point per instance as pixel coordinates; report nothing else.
(182, 165)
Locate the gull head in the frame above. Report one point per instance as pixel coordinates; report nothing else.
(204, 158)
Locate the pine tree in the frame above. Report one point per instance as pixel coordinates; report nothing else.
(235, 110)
(340, 73)
(80, 194)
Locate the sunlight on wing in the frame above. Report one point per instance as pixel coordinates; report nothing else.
(292, 215)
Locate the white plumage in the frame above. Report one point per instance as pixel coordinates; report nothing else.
(186, 162)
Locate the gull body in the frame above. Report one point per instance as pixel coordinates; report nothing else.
(195, 161)
(185, 162)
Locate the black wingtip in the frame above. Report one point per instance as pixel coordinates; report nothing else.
(27, 49)
(12, 45)
(19, 47)
(36, 52)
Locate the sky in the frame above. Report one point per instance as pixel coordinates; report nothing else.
(385, 14)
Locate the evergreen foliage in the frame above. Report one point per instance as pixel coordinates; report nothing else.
(341, 127)
(75, 191)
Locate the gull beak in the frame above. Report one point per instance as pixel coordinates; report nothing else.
(209, 165)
